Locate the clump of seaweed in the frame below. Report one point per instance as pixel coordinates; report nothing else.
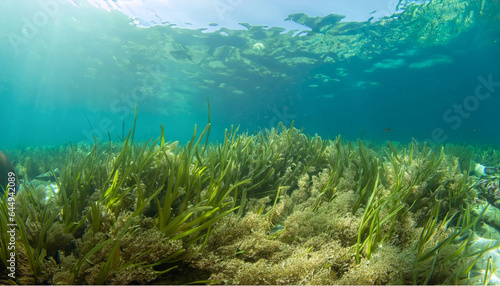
(100, 203)
(399, 222)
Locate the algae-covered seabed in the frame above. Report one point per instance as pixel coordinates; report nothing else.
(276, 207)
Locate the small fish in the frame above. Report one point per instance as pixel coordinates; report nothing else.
(387, 129)
(6, 168)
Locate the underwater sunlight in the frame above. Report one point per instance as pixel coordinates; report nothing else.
(250, 142)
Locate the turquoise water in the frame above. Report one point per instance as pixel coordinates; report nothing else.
(71, 73)
(275, 208)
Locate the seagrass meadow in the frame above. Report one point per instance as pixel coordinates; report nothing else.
(345, 142)
(275, 207)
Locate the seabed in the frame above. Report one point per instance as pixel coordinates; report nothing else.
(275, 207)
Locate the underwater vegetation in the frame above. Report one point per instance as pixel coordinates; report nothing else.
(275, 207)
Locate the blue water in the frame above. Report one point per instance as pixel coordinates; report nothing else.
(71, 73)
